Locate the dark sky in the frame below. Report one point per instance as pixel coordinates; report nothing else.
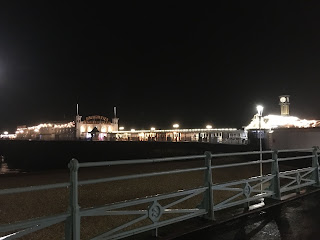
(158, 63)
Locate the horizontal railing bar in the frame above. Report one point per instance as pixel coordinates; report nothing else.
(297, 186)
(138, 161)
(170, 211)
(33, 188)
(112, 206)
(128, 212)
(240, 153)
(23, 232)
(126, 225)
(128, 177)
(296, 150)
(201, 212)
(241, 164)
(232, 204)
(294, 158)
(241, 181)
(295, 171)
(32, 222)
(228, 189)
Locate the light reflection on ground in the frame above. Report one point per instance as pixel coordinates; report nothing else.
(4, 169)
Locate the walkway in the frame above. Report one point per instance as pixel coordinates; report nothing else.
(297, 219)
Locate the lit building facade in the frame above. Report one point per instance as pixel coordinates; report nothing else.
(284, 131)
(99, 128)
(95, 127)
(216, 135)
(47, 131)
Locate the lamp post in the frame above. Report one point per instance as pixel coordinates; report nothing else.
(260, 110)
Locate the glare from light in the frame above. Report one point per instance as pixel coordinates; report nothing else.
(260, 110)
(121, 128)
(36, 130)
(5, 132)
(152, 129)
(175, 125)
(208, 127)
(133, 130)
(278, 121)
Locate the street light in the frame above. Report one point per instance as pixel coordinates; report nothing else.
(260, 110)
(152, 129)
(121, 128)
(175, 134)
(208, 127)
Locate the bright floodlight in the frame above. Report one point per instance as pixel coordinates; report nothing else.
(5, 133)
(152, 129)
(175, 125)
(208, 127)
(121, 128)
(260, 110)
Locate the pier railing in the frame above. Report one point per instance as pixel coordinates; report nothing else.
(149, 213)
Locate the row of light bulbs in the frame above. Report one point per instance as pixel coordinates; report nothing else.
(174, 126)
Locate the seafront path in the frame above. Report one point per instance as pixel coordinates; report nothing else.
(292, 220)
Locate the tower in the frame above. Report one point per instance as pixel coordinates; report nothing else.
(284, 104)
(115, 120)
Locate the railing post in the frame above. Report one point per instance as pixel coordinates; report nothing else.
(315, 164)
(207, 201)
(275, 182)
(74, 232)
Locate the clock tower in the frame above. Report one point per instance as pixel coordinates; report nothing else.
(284, 104)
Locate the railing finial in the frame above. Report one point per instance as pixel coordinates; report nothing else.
(73, 165)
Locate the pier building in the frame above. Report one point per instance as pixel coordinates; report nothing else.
(215, 135)
(99, 128)
(284, 131)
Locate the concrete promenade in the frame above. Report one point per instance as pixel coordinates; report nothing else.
(292, 220)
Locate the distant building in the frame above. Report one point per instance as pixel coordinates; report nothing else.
(95, 127)
(47, 131)
(284, 131)
(215, 135)
(99, 128)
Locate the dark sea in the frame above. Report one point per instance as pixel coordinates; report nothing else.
(31, 156)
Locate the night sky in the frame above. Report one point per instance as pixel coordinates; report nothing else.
(159, 63)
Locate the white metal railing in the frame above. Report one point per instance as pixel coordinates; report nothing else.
(244, 191)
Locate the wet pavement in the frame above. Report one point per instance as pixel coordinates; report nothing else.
(297, 219)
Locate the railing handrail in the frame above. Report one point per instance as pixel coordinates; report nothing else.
(296, 150)
(139, 161)
(33, 188)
